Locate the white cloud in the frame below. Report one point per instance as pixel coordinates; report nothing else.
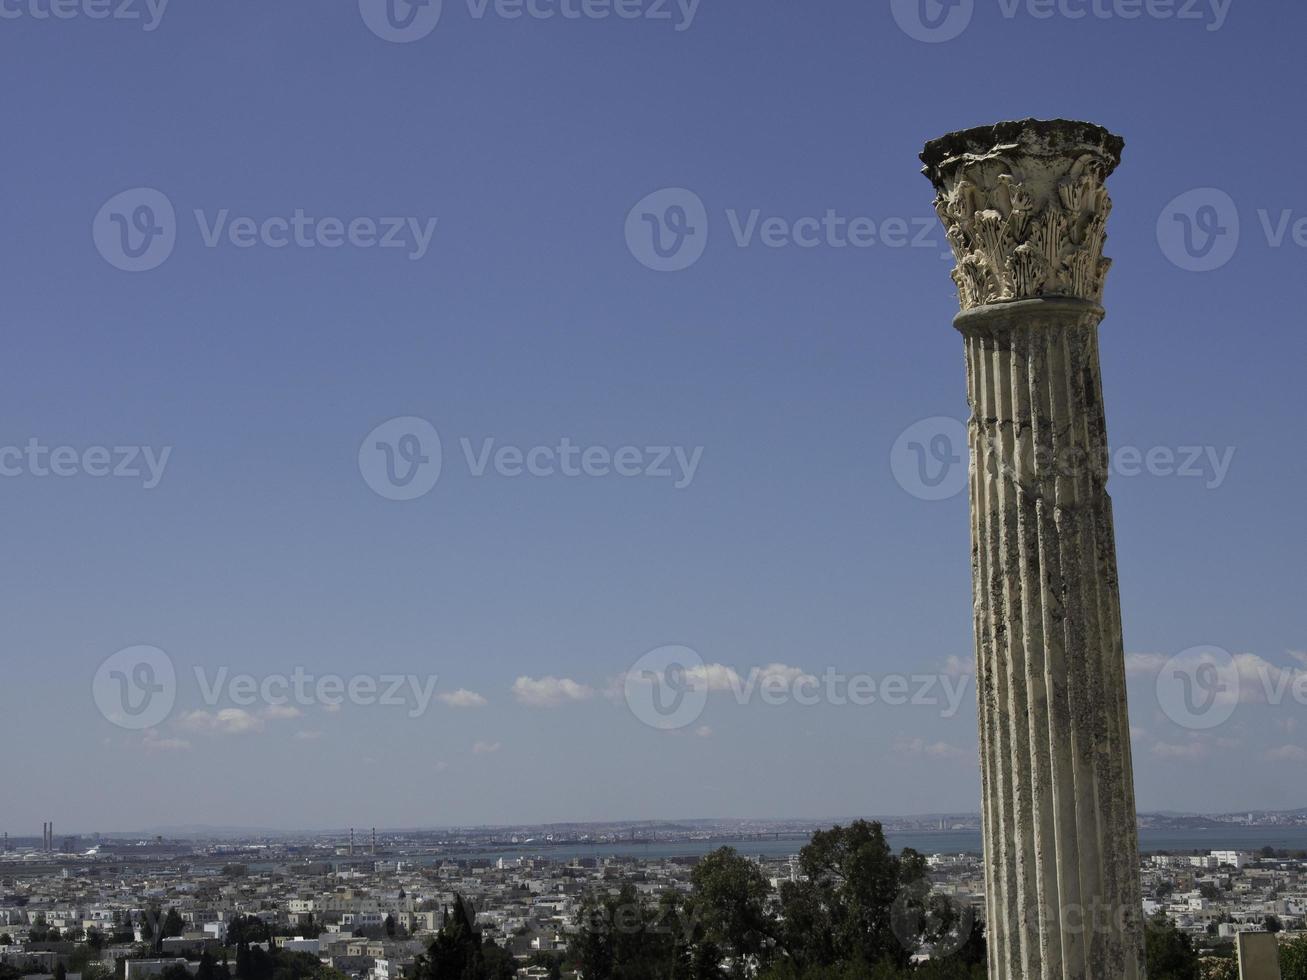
(933, 750)
(308, 736)
(549, 692)
(440, 766)
(485, 748)
(956, 666)
(704, 731)
(1192, 750)
(784, 674)
(714, 678)
(228, 721)
(1145, 663)
(723, 679)
(158, 743)
(281, 711)
(1289, 753)
(462, 698)
(1263, 682)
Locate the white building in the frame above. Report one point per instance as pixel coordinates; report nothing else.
(1236, 859)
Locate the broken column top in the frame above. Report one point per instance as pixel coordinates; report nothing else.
(1025, 138)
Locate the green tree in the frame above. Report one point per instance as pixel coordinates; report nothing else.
(732, 902)
(621, 937)
(459, 952)
(209, 969)
(1293, 959)
(1170, 953)
(173, 925)
(247, 929)
(1273, 924)
(842, 909)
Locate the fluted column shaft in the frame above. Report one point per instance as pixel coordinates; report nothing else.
(1025, 208)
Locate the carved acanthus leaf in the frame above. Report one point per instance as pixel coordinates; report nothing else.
(1019, 238)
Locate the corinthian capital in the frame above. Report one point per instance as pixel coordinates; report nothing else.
(1025, 208)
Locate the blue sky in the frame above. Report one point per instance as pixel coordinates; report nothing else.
(529, 318)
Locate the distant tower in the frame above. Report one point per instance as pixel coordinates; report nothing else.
(374, 841)
(351, 841)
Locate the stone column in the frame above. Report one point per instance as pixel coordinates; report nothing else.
(1025, 209)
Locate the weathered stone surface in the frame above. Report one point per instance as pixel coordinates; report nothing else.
(1025, 208)
(1259, 956)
